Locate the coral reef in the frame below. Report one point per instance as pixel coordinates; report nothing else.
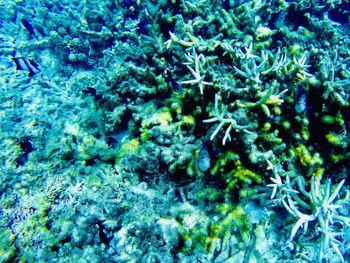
(175, 131)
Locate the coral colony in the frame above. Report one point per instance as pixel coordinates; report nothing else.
(175, 131)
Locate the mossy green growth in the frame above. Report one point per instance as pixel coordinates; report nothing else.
(313, 163)
(193, 229)
(295, 50)
(305, 131)
(13, 151)
(162, 85)
(247, 193)
(267, 127)
(7, 249)
(263, 44)
(209, 194)
(336, 158)
(221, 164)
(272, 138)
(127, 148)
(337, 119)
(286, 125)
(305, 157)
(232, 217)
(241, 175)
(192, 168)
(336, 140)
(162, 118)
(232, 213)
(87, 147)
(188, 121)
(229, 167)
(200, 231)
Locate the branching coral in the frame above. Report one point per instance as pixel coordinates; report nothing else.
(321, 207)
(197, 61)
(224, 118)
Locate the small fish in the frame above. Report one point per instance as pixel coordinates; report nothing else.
(300, 105)
(29, 27)
(204, 160)
(23, 63)
(92, 91)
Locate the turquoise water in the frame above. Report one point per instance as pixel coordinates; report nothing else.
(174, 131)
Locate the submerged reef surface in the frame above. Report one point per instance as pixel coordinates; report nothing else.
(174, 131)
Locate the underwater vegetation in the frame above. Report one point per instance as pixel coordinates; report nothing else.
(174, 131)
